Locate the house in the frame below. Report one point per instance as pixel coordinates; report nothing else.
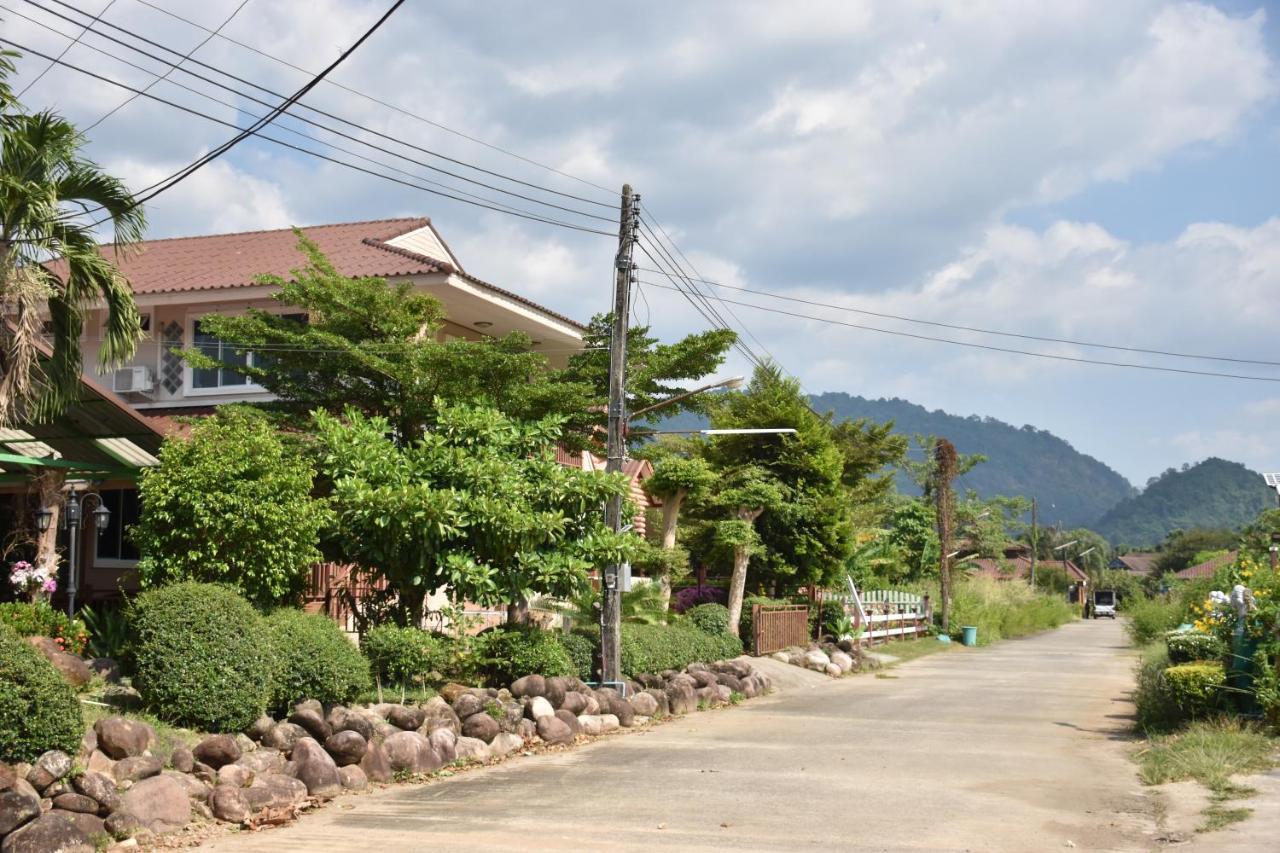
(1209, 567)
(637, 471)
(1016, 565)
(1139, 564)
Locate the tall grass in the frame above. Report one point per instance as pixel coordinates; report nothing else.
(1150, 618)
(1209, 751)
(1005, 609)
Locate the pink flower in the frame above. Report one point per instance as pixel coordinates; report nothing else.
(50, 585)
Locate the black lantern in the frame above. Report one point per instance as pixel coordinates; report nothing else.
(44, 517)
(102, 518)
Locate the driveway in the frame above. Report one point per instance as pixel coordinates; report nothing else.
(1021, 746)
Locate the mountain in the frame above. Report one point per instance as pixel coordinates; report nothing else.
(1072, 488)
(1213, 493)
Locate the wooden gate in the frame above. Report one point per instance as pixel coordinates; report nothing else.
(775, 627)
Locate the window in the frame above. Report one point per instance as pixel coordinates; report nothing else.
(226, 377)
(114, 544)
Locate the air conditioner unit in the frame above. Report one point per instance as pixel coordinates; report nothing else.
(133, 380)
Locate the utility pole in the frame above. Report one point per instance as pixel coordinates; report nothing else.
(1035, 542)
(611, 582)
(945, 464)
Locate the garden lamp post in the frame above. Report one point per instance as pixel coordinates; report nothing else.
(72, 514)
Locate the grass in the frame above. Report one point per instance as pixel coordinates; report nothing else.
(1210, 751)
(905, 650)
(168, 737)
(1216, 817)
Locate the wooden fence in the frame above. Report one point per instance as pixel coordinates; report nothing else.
(775, 627)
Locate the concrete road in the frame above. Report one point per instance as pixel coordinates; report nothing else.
(1020, 747)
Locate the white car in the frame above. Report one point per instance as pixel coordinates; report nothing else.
(1104, 603)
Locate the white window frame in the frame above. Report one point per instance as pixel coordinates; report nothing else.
(188, 374)
(113, 562)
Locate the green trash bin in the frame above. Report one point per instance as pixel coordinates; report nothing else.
(969, 635)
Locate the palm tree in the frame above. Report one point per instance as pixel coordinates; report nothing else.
(50, 259)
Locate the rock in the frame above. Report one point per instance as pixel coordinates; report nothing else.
(123, 738)
(74, 670)
(643, 704)
(259, 727)
(681, 699)
(375, 764)
(505, 743)
(195, 789)
(18, 804)
(262, 760)
(816, 658)
(408, 719)
(554, 730)
(90, 824)
(49, 833)
(182, 759)
(660, 699)
(229, 803)
(316, 769)
(346, 747)
(722, 695)
(88, 744)
(557, 689)
(99, 762)
(609, 723)
(781, 656)
(217, 750)
(312, 705)
(440, 716)
(283, 736)
(348, 720)
(473, 749)
(621, 708)
(285, 790)
(201, 810)
(729, 680)
(107, 668)
(59, 787)
(590, 724)
(468, 704)
(530, 685)
(705, 678)
(452, 690)
(311, 720)
(136, 768)
(205, 773)
(235, 776)
(538, 706)
(49, 768)
(573, 702)
(76, 803)
(99, 787)
(575, 728)
(481, 726)
(511, 714)
(592, 706)
(842, 660)
(122, 824)
(353, 778)
(403, 751)
(833, 670)
(160, 803)
(445, 743)
(525, 730)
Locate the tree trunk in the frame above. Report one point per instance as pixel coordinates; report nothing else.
(48, 486)
(670, 517)
(738, 582)
(518, 612)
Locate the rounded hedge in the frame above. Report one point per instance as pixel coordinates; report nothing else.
(313, 660)
(1196, 688)
(38, 709)
(712, 618)
(582, 651)
(404, 656)
(511, 653)
(654, 648)
(203, 656)
(1190, 646)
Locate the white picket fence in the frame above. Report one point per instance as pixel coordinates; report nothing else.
(888, 614)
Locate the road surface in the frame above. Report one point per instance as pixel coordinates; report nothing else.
(1020, 746)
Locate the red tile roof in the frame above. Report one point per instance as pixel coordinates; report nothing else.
(1020, 567)
(1138, 564)
(1209, 567)
(216, 261)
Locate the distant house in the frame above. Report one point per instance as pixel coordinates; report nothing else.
(1209, 567)
(637, 471)
(1141, 564)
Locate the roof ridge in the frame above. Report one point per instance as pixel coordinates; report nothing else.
(423, 220)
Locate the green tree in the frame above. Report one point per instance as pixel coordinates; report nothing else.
(231, 504)
(987, 526)
(1181, 547)
(924, 471)
(679, 472)
(49, 195)
(477, 505)
(751, 490)
(913, 532)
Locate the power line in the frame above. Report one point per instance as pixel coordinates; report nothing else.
(73, 43)
(988, 347)
(294, 115)
(129, 100)
(503, 209)
(962, 328)
(393, 107)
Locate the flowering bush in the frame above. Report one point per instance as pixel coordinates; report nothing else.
(38, 619)
(35, 583)
(692, 596)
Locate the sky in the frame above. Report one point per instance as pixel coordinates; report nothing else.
(1087, 171)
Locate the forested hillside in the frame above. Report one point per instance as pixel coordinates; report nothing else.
(1071, 487)
(1214, 493)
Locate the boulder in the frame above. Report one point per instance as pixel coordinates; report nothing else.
(122, 825)
(681, 699)
(704, 677)
(229, 803)
(262, 760)
(842, 660)
(99, 762)
(816, 658)
(538, 706)
(609, 723)
(593, 705)
(644, 704)
(573, 702)
(557, 688)
(346, 747)
(54, 832)
(552, 729)
(311, 720)
(590, 724)
(88, 745)
(481, 726)
(49, 768)
(122, 738)
(136, 768)
(404, 752)
(660, 699)
(530, 685)
(510, 715)
(182, 759)
(406, 718)
(569, 720)
(19, 803)
(195, 789)
(722, 695)
(353, 778)
(259, 727)
(467, 704)
(445, 743)
(505, 743)
(235, 776)
(283, 736)
(783, 657)
(375, 764)
(833, 670)
(315, 769)
(730, 680)
(76, 803)
(440, 716)
(285, 790)
(473, 749)
(526, 729)
(98, 786)
(160, 803)
(217, 750)
(621, 708)
(74, 669)
(349, 720)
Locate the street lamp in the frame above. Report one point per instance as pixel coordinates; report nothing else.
(72, 514)
(731, 383)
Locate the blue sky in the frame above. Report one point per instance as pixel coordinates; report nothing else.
(1085, 170)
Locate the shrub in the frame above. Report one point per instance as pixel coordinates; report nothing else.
(404, 656)
(38, 619)
(231, 504)
(108, 633)
(826, 616)
(38, 709)
(1196, 688)
(1005, 609)
(691, 596)
(202, 656)
(654, 648)
(1154, 706)
(712, 618)
(1188, 646)
(313, 660)
(1151, 618)
(510, 653)
(582, 652)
